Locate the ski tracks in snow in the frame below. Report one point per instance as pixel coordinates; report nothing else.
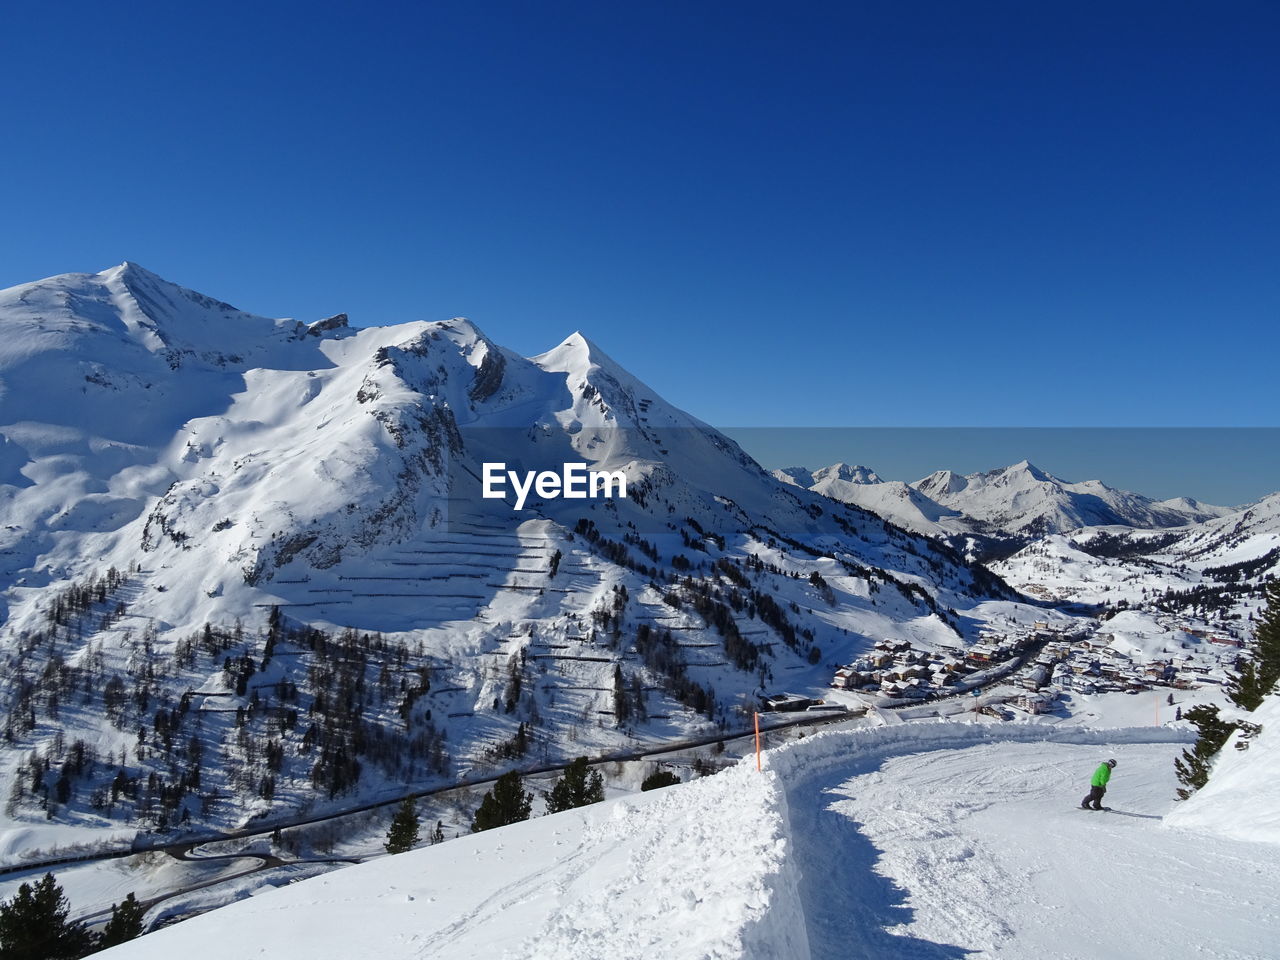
(976, 851)
(709, 880)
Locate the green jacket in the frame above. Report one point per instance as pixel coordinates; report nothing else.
(1101, 776)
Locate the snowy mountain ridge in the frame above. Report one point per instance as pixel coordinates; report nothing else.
(259, 542)
(1154, 586)
(1019, 502)
(1023, 499)
(248, 583)
(849, 473)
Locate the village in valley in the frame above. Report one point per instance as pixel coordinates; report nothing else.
(1033, 669)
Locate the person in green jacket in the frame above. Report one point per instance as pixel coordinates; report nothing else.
(1098, 786)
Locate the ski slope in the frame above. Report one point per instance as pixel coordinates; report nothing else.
(980, 852)
(929, 840)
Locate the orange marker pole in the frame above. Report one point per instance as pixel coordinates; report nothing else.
(757, 741)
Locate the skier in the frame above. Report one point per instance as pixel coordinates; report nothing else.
(1098, 786)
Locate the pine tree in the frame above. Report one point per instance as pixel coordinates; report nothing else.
(1194, 765)
(403, 832)
(125, 923)
(1258, 676)
(34, 925)
(659, 779)
(621, 704)
(507, 802)
(577, 788)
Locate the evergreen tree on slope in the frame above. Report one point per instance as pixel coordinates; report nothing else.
(34, 925)
(1258, 676)
(1194, 765)
(1254, 680)
(507, 802)
(577, 788)
(403, 832)
(125, 923)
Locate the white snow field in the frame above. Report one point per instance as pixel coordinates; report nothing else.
(922, 840)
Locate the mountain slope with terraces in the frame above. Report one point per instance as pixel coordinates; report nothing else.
(247, 573)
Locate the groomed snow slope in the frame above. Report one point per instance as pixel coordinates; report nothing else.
(982, 852)
(942, 840)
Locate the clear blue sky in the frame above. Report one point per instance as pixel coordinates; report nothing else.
(896, 213)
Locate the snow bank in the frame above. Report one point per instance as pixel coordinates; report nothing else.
(708, 874)
(39, 842)
(701, 870)
(1241, 800)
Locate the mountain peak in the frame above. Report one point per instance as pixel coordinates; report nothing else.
(124, 268)
(940, 483)
(1030, 469)
(576, 354)
(580, 343)
(158, 298)
(852, 473)
(318, 328)
(130, 273)
(794, 476)
(460, 330)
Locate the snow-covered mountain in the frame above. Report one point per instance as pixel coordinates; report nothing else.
(245, 563)
(902, 504)
(895, 501)
(998, 510)
(248, 580)
(1205, 574)
(1024, 500)
(1159, 562)
(837, 472)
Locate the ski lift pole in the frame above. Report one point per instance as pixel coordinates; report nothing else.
(757, 714)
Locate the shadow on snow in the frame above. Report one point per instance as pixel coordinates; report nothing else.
(848, 906)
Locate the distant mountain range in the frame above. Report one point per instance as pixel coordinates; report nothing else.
(1211, 571)
(1177, 561)
(1019, 503)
